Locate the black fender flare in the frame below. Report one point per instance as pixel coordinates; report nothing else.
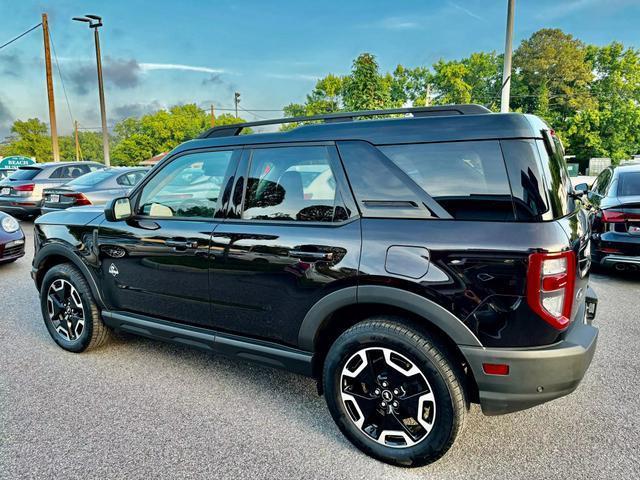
(433, 313)
(62, 251)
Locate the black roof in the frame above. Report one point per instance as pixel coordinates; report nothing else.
(438, 128)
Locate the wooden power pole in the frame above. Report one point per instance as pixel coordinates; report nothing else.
(52, 106)
(213, 117)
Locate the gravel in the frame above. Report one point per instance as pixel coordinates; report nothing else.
(138, 408)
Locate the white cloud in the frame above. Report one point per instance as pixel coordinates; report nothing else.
(145, 67)
(466, 11)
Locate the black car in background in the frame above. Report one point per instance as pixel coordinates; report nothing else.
(410, 265)
(11, 239)
(615, 198)
(95, 188)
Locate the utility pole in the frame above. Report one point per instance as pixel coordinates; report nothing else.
(213, 117)
(427, 101)
(95, 22)
(52, 106)
(508, 48)
(75, 127)
(236, 99)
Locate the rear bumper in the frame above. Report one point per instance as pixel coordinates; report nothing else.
(536, 375)
(20, 206)
(611, 260)
(611, 248)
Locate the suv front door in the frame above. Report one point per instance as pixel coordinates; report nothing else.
(292, 235)
(157, 262)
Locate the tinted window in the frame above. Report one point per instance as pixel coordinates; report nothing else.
(291, 183)
(25, 173)
(187, 187)
(557, 180)
(467, 178)
(91, 179)
(629, 184)
(130, 179)
(525, 177)
(71, 171)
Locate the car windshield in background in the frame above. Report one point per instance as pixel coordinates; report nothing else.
(629, 184)
(91, 179)
(25, 174)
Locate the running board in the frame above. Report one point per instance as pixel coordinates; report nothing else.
(265, 353)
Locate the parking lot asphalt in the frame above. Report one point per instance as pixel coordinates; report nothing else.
(138, 408)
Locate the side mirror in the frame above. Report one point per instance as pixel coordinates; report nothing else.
(581, 188)
(118, 209)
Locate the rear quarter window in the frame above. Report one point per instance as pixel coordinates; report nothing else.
(629, 184)
(468, 179)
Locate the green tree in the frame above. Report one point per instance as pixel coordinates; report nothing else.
(29, 138)
(365, 88)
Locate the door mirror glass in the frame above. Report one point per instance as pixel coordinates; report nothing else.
(581, 188)
(118, 209)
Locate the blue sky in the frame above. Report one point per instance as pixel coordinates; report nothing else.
(160, 53)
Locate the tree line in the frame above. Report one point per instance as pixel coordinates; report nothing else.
(589, 94)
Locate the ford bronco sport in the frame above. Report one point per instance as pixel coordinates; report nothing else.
(412, 265)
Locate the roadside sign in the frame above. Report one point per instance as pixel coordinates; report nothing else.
(15, 161)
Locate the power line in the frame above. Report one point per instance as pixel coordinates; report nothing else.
(64, 89)
(20, 36)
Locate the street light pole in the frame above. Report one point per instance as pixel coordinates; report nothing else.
(508, 48)
(95, 22)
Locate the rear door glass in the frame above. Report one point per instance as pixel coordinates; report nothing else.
(468, 179)
(629, 184)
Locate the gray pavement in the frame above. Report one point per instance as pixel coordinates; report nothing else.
(139, 408)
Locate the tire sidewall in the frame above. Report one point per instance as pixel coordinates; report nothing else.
(71, 276)
(438, 439)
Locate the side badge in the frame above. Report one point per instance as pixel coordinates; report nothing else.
(113, 270)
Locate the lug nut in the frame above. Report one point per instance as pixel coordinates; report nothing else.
(395, 404)
(385, 384)
(377, 391)
(383, 404)
(396, 391)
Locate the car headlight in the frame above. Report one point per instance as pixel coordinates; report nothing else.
(10, 224)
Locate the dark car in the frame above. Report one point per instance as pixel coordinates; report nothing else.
(21, 192)
(615, 197)
(95, 188)
(11, 239)
(410, 265)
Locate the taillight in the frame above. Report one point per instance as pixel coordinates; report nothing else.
(78, 199)
(550, 285)
(24, 188)
(616, 216)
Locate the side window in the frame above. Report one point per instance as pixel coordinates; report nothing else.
(59, 172)
(292, 183)
(187, 187)
(603, 183)
(468, 179)
(130, 179)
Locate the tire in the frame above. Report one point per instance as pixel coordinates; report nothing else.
(442, 409)
(93, 332)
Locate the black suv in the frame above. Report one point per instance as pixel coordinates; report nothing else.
(411, 265)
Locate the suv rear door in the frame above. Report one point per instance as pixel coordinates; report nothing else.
(292, 236)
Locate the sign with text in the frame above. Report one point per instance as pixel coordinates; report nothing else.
(15, 161)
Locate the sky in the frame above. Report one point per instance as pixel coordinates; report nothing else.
(161, 53)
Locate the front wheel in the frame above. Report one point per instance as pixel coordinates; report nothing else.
(70, 313)
(394, 393)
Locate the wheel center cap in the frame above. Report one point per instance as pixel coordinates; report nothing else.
(387, 395)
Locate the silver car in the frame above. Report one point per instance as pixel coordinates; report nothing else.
(95, 188)
(21, 194)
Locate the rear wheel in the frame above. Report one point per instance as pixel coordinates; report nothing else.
(393, 392)
(70, 313)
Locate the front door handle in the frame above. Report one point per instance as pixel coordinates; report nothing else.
(311, 256)
(181, 244)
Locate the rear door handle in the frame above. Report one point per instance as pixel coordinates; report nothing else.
(311, 256)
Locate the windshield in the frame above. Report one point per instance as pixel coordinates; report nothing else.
(25, 173)
(91, 179)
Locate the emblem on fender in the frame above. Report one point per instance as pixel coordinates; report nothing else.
(113, 270)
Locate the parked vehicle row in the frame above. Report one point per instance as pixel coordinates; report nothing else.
(615, 201)
(410, 265)
(43, 187)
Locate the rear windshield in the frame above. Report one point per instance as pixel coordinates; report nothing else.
(91, 179)
(468, 179)
(25, 173)
(629, 184)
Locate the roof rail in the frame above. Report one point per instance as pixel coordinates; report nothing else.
(235, 129)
